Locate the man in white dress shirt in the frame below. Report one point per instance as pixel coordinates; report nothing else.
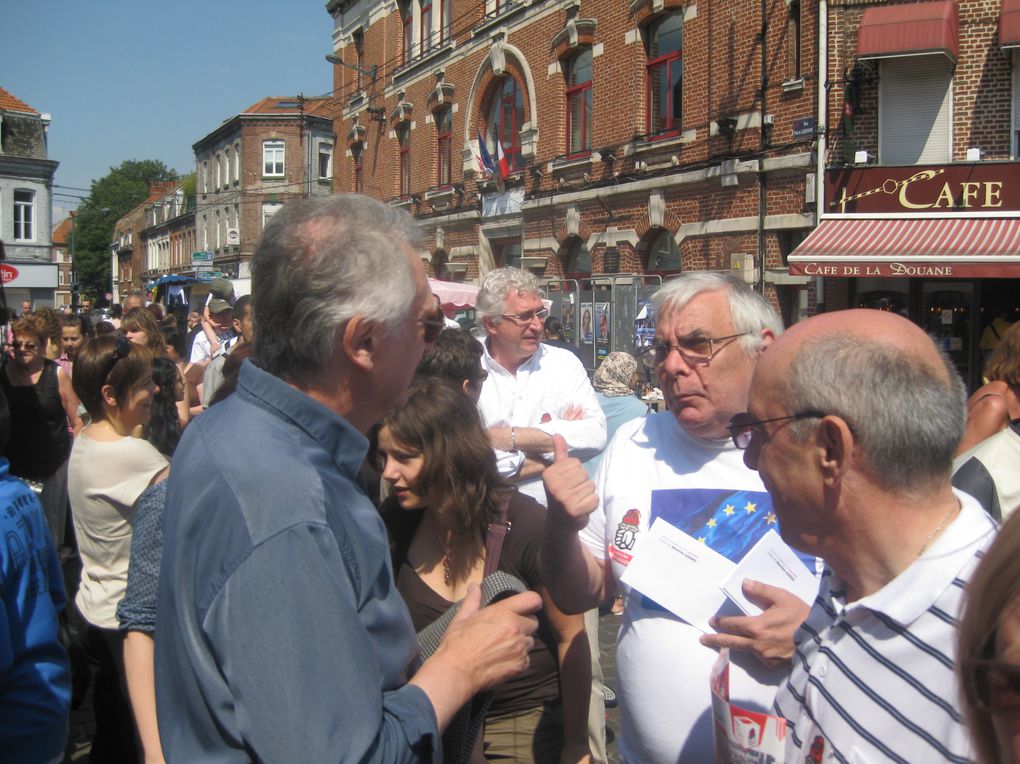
(533, 391)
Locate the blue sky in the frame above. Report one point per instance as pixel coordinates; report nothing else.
(141, 80)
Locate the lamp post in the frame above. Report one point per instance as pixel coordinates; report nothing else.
(75, 289)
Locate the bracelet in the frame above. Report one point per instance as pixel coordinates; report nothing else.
(513, 438)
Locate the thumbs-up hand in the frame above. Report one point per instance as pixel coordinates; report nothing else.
(570, 493)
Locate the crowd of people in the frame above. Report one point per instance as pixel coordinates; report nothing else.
(316, 523)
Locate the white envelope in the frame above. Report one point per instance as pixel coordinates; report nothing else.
(680, 573)
(772, 562)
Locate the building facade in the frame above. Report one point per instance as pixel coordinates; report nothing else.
(63, 249)
(128, 249)
(26, 213)
(921, 210)
(168, 239)
(247, 169)
(629, 141)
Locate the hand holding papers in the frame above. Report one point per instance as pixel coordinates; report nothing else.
(692, 581)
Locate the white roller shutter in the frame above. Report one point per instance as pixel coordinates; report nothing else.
(915, 110)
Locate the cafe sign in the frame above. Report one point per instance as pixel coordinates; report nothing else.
(958, 269)
(992, 187)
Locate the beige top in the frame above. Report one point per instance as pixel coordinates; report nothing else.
(103, 482)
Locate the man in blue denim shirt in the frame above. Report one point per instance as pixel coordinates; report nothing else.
(279, 633)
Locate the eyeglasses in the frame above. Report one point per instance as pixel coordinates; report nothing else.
(122, 350)
(523, 319)
(694, 350)
(743, 429)
(433, 323)
(996, 685)
(24, 345)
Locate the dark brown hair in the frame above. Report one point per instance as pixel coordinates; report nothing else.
(991, 593)
(443, 425)
(96, 367)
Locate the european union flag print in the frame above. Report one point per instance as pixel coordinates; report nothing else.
(730, 522)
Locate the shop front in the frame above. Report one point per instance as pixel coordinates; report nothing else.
(939, 244)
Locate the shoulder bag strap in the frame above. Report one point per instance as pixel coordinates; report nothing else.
(494, 536)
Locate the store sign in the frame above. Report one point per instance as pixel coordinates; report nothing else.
(932, 189)
(8, 273)
(931, 270)
(29, 275)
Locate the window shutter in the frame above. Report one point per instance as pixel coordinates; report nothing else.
(915, 111)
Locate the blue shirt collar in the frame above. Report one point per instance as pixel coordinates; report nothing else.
(342, 441)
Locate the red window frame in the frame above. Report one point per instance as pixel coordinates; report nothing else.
(425, 27)
(445, 21)
(404, 156)
(505, 121)
(665, 117)
(579, 93)
(407, 35)
(444, 141)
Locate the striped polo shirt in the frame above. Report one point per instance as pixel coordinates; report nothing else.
(873, 680)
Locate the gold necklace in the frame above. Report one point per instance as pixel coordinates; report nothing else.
(938, 528)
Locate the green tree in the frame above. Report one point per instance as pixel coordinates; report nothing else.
(110, 198)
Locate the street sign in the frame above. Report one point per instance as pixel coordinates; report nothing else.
(201, 257)
(204, 276)
(804, 128)
(206, 268)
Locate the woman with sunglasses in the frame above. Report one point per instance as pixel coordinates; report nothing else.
(108, 471)
(446, 491)
(42, 404)
(989, 650)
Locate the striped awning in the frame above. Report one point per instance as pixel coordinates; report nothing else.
(913, 247)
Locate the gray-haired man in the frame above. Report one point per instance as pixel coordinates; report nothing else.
(533, 391)
(679, 465)
(281, 633)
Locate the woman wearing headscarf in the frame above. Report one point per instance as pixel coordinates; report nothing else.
(614, 382)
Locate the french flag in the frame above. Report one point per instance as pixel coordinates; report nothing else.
(501, 161)
(484, 158)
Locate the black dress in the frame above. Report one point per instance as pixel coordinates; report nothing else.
(40, 441)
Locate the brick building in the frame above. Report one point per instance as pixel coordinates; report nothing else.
(128, 250)
(26, 211)
(62, 240)
(249, 166)
(922, 191)
(644, 137)
(168, 239)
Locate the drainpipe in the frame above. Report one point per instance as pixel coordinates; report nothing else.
(763, 131)
(821, 123)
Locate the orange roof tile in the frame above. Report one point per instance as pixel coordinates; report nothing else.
(288, 105)
(9, 103)
(62, 233)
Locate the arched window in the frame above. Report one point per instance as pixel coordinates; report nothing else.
(663, 254)
(506, 116)
(579, 103)
(665, 74)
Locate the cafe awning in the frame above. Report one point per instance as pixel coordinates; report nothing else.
(1009, 24)
(910, 248)
(914, 29)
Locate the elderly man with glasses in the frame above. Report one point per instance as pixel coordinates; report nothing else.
(852, 421)
(280, 632)
(533, 391)
(679, 465)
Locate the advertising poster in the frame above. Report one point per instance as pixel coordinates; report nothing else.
(602, 322)
(587, 322)
(568, 321)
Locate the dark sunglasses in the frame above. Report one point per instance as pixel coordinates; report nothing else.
(996, 685)
(24, 345)
(433, 324)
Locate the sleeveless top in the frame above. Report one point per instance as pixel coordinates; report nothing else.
(39, 441)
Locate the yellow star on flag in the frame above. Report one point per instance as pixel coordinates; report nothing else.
(771, 519)
(751, 507)
(701, 539)
(728, 509)
(711, 522)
